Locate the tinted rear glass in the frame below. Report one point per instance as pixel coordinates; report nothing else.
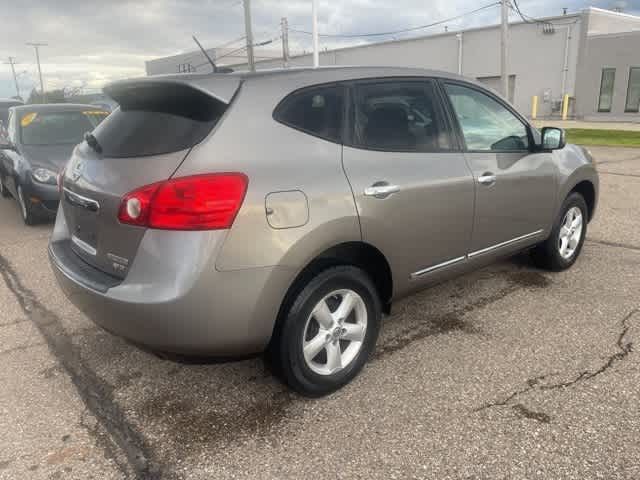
(154, 120)
(316, 110)
(57, 128)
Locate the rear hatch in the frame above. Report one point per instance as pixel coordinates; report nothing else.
(142, 142)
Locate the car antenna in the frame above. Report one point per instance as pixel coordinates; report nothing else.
(215, 69)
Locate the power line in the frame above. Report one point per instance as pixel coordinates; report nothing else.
(226, 44)
(406, 30)
(531, 20)
(241, 49)
(525, 18)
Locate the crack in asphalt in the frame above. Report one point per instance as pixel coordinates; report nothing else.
(613, 244)
(97, 395)
(453, 321)
(624, 349)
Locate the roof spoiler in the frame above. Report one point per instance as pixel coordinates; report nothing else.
(220, 87)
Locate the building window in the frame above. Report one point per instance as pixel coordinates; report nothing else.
(606, 89)
(633, 91)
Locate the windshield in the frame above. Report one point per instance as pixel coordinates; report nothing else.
(58, 128)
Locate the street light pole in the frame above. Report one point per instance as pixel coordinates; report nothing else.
(285, 41)
(504, 47)
(316, 52)
(37, 48)
(249, 35)
(12, 62)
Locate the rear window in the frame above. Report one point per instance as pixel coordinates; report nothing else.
(57, 128)
(317, 111)
(153, 120)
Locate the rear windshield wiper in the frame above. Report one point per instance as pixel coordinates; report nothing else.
(92, 141)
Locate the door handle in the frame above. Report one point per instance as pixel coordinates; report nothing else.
(487, 179)
(381, 191)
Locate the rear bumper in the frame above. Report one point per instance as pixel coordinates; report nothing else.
(176, 301)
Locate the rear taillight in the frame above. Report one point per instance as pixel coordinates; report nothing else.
(199, 202)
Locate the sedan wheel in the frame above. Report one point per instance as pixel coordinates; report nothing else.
(25, 208)
(4, 193)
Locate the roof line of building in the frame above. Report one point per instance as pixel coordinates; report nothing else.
(575, 16)
(613, 13)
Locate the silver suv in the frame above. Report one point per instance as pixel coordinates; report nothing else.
(284, 211)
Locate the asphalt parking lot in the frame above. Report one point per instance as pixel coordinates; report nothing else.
(508, 372)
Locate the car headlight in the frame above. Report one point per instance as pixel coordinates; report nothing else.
(43, 175)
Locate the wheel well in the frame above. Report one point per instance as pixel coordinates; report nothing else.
(585, 188)
(358, 254)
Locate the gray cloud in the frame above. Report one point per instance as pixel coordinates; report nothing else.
(91, 42)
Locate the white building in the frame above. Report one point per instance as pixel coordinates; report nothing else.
(593, 56)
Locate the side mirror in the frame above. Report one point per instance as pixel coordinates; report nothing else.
(553, 138)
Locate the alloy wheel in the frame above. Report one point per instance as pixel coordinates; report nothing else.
(570, 233)
(335, 331)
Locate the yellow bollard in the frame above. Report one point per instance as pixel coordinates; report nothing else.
(534, 107)
(565, 106)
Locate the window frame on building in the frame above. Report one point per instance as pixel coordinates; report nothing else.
(635, 109)
(604, 71)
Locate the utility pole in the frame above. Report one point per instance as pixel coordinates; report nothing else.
(285, 41)
(316, 52)
(249, 35)
(37, 48)
(504, 47)
(12, 62)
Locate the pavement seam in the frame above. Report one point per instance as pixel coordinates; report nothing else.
(21, 348)
(633, 175)
(604, 162)
(624, 349)
(96, 394)
(613, 244)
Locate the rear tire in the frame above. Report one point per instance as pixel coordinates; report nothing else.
(328, 332)
(26, 209)
(562, 248)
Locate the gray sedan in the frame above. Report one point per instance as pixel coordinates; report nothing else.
(36, 145)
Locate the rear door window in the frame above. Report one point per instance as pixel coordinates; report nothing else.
(399, 116)
(154, 120)
(317, 111)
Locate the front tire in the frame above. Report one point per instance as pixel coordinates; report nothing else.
(329, 331)
(562, 248)
(3, 190)
(26, 209)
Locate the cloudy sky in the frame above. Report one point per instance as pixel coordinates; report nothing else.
(91, 42)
